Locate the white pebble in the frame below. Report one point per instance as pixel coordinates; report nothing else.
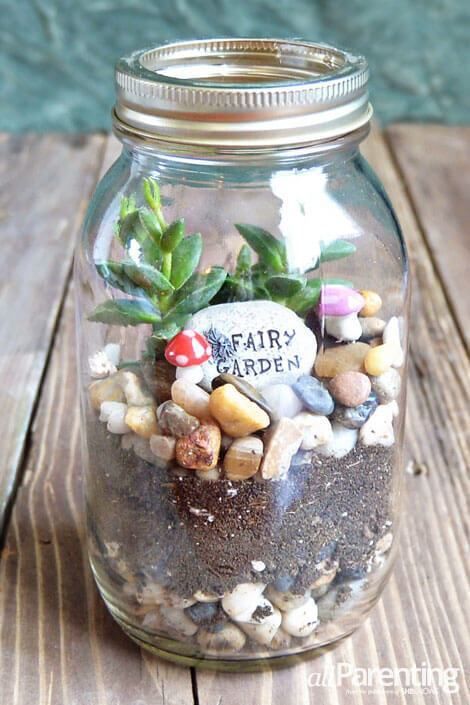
(113, 353)
(344, 440)
(316, 430)
(378, 429)
(281, 640)
(177, 619)
(391, 336)
(286, 600)
(241, 602)
(156, 594)
(259, 566)
(113, 413)
(100, 365)
(282, 400)
(192, 374)
(301, 621)
(344, 328)
(262, 629)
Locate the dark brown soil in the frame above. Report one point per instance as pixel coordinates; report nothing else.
(196, 535)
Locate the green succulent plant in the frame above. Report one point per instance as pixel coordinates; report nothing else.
(158, 271)
(270, 278)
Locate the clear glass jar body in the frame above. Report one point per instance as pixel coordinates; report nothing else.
(235, 527)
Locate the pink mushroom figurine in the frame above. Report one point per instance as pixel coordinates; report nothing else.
(187, 351)
(339, 306)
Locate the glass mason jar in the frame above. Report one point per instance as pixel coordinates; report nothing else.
(242, 291)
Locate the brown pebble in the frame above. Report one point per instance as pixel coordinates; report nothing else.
(341, 358)
(350, 388)
(283, 442)
(175, 421)
(243, 458)
(159, 376)
(200, 450)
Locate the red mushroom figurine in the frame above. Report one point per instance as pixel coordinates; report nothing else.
(187, 349)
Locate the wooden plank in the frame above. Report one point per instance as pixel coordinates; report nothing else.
(45, 182)
(58, 645)
(423, 616)
(433, 160)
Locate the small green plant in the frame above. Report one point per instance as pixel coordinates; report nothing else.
(269, 278)
(158, 271)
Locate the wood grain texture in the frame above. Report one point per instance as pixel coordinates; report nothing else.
(42, 202)
(59, 646)
(424, 613)
(433, 161)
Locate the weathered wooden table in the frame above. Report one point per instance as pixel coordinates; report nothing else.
(58, 644)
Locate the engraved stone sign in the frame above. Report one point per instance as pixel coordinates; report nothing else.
(261, 342)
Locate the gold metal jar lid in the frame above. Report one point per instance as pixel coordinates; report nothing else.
(241, 93)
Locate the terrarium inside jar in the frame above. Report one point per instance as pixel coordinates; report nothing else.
(242, 333)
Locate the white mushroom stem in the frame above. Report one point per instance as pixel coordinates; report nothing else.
(347, 328)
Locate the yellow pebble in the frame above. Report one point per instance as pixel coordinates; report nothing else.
(237, 415)
(142, 420)
(378, 360)
(108, 389)
(373, 303)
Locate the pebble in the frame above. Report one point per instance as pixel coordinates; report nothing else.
(282, 400)
(237, 415)
(142, 420)
(113, 413)
(284, 583)
(241, 602)
(193, 374)
(344, 328)
(244, 388)
(139, 445)
(315, 430)
(258, 566)
(320, 586)
(263, 624)
(174, 420)
(243, 458)
(391, 336)
(341, 358)
(163, 447)
(199, 450)
(378, 429)
(371, 327)
(203, 612)
(355, 417)
(350, 388)
(100, 365)
(282, 442)
(372, 302)
(191, 398)
(211, 475)
(314, 395)
(301, 621)
(156, 594)
(344, 440)
(378, 360)
(261, 342)
(134, 390)
(285, 600)
(384, 544)
(202, 596)
(107, 389)
(228, 639)
(387, 386)
(339, 300)
(178, 620)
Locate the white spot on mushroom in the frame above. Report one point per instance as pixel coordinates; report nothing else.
(198, 349)
(181, 359)
(189, 333)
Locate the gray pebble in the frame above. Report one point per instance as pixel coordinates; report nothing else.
(314, 395)
(356, 416)
(284, 583)
(175, 421)
(203, 612)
